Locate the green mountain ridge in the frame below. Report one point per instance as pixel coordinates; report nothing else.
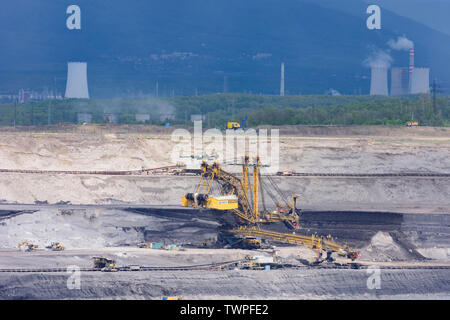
(205, 46)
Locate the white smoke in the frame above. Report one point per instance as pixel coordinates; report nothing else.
(402, 43)
(379, 58)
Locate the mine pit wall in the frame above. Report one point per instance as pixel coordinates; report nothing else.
(408, 236)
(381, 236)
(352, 209)
(242, 284)
(372, 149)
(331, 193)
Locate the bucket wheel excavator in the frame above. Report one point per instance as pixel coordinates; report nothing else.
(238, 196)
(241, 197)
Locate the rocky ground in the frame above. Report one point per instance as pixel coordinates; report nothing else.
(396, 220)
(304, 149)
(380, 236)
(239, 284)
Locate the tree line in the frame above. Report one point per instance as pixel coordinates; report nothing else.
(221, 108)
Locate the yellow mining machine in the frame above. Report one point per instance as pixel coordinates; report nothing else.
(241, 197)
(27, 246)
(238, 196)
(105, 264)
(56, 246)
(313, 241)
(233, 125)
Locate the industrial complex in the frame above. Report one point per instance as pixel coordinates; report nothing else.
(404, 80)
(147, 180)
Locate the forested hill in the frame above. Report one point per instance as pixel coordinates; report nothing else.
(205, 46)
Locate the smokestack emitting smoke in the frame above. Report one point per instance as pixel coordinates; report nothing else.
(77, 84)
(411, 66)
(403, 43)
(282, 80)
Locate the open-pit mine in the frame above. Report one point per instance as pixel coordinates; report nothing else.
(97, 212)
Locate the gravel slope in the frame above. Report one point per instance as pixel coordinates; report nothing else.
(275, 284)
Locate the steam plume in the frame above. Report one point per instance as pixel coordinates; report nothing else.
(402, 43)
(379, 58)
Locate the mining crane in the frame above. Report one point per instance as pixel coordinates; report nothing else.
(241, 197)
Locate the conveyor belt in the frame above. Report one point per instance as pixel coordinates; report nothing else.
(374, 175)
(222, 266)
(169, 169)
(312, 241)
(108, 172)
(212, 266)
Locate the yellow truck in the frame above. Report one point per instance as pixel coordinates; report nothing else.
(233, 125)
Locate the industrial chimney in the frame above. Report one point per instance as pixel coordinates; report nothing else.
(411, 67)
(77, 84)
(379, 81)
(282, 80)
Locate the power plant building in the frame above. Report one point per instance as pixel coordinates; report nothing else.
(77, 84)
(404, 80)
(399, 81)
(379, 81)
(420, 81)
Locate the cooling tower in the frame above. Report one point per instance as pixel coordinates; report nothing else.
(420, 81)
(399, 81)
(379, 81)
(77, 84)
